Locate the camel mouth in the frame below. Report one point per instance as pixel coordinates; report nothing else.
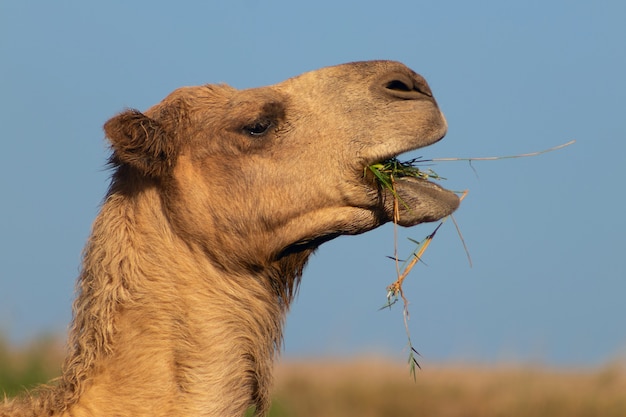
(407, 196)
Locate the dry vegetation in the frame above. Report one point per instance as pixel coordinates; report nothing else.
(27, 366)
(373, 387)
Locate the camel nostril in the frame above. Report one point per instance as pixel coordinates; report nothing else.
(406, 88)
(397, 85)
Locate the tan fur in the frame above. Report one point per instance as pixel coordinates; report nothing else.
(217, 199)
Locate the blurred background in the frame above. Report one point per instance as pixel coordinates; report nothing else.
(546, 234)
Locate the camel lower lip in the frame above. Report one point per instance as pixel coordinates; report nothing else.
(420, 201)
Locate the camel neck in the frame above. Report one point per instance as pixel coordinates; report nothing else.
(158, 330)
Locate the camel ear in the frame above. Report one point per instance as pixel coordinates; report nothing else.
(141, 142)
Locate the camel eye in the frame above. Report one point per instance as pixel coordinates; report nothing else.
(258, 128)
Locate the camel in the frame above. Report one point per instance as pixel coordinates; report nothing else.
(218, 197)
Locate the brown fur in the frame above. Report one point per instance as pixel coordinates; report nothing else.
(217, 199)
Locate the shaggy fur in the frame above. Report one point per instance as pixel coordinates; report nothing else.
(217, 199)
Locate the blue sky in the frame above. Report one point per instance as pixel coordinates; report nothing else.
(546, 234)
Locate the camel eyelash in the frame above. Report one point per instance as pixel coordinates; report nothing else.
(258, 128)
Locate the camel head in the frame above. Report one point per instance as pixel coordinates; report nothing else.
(252, 175)
(218, 198)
